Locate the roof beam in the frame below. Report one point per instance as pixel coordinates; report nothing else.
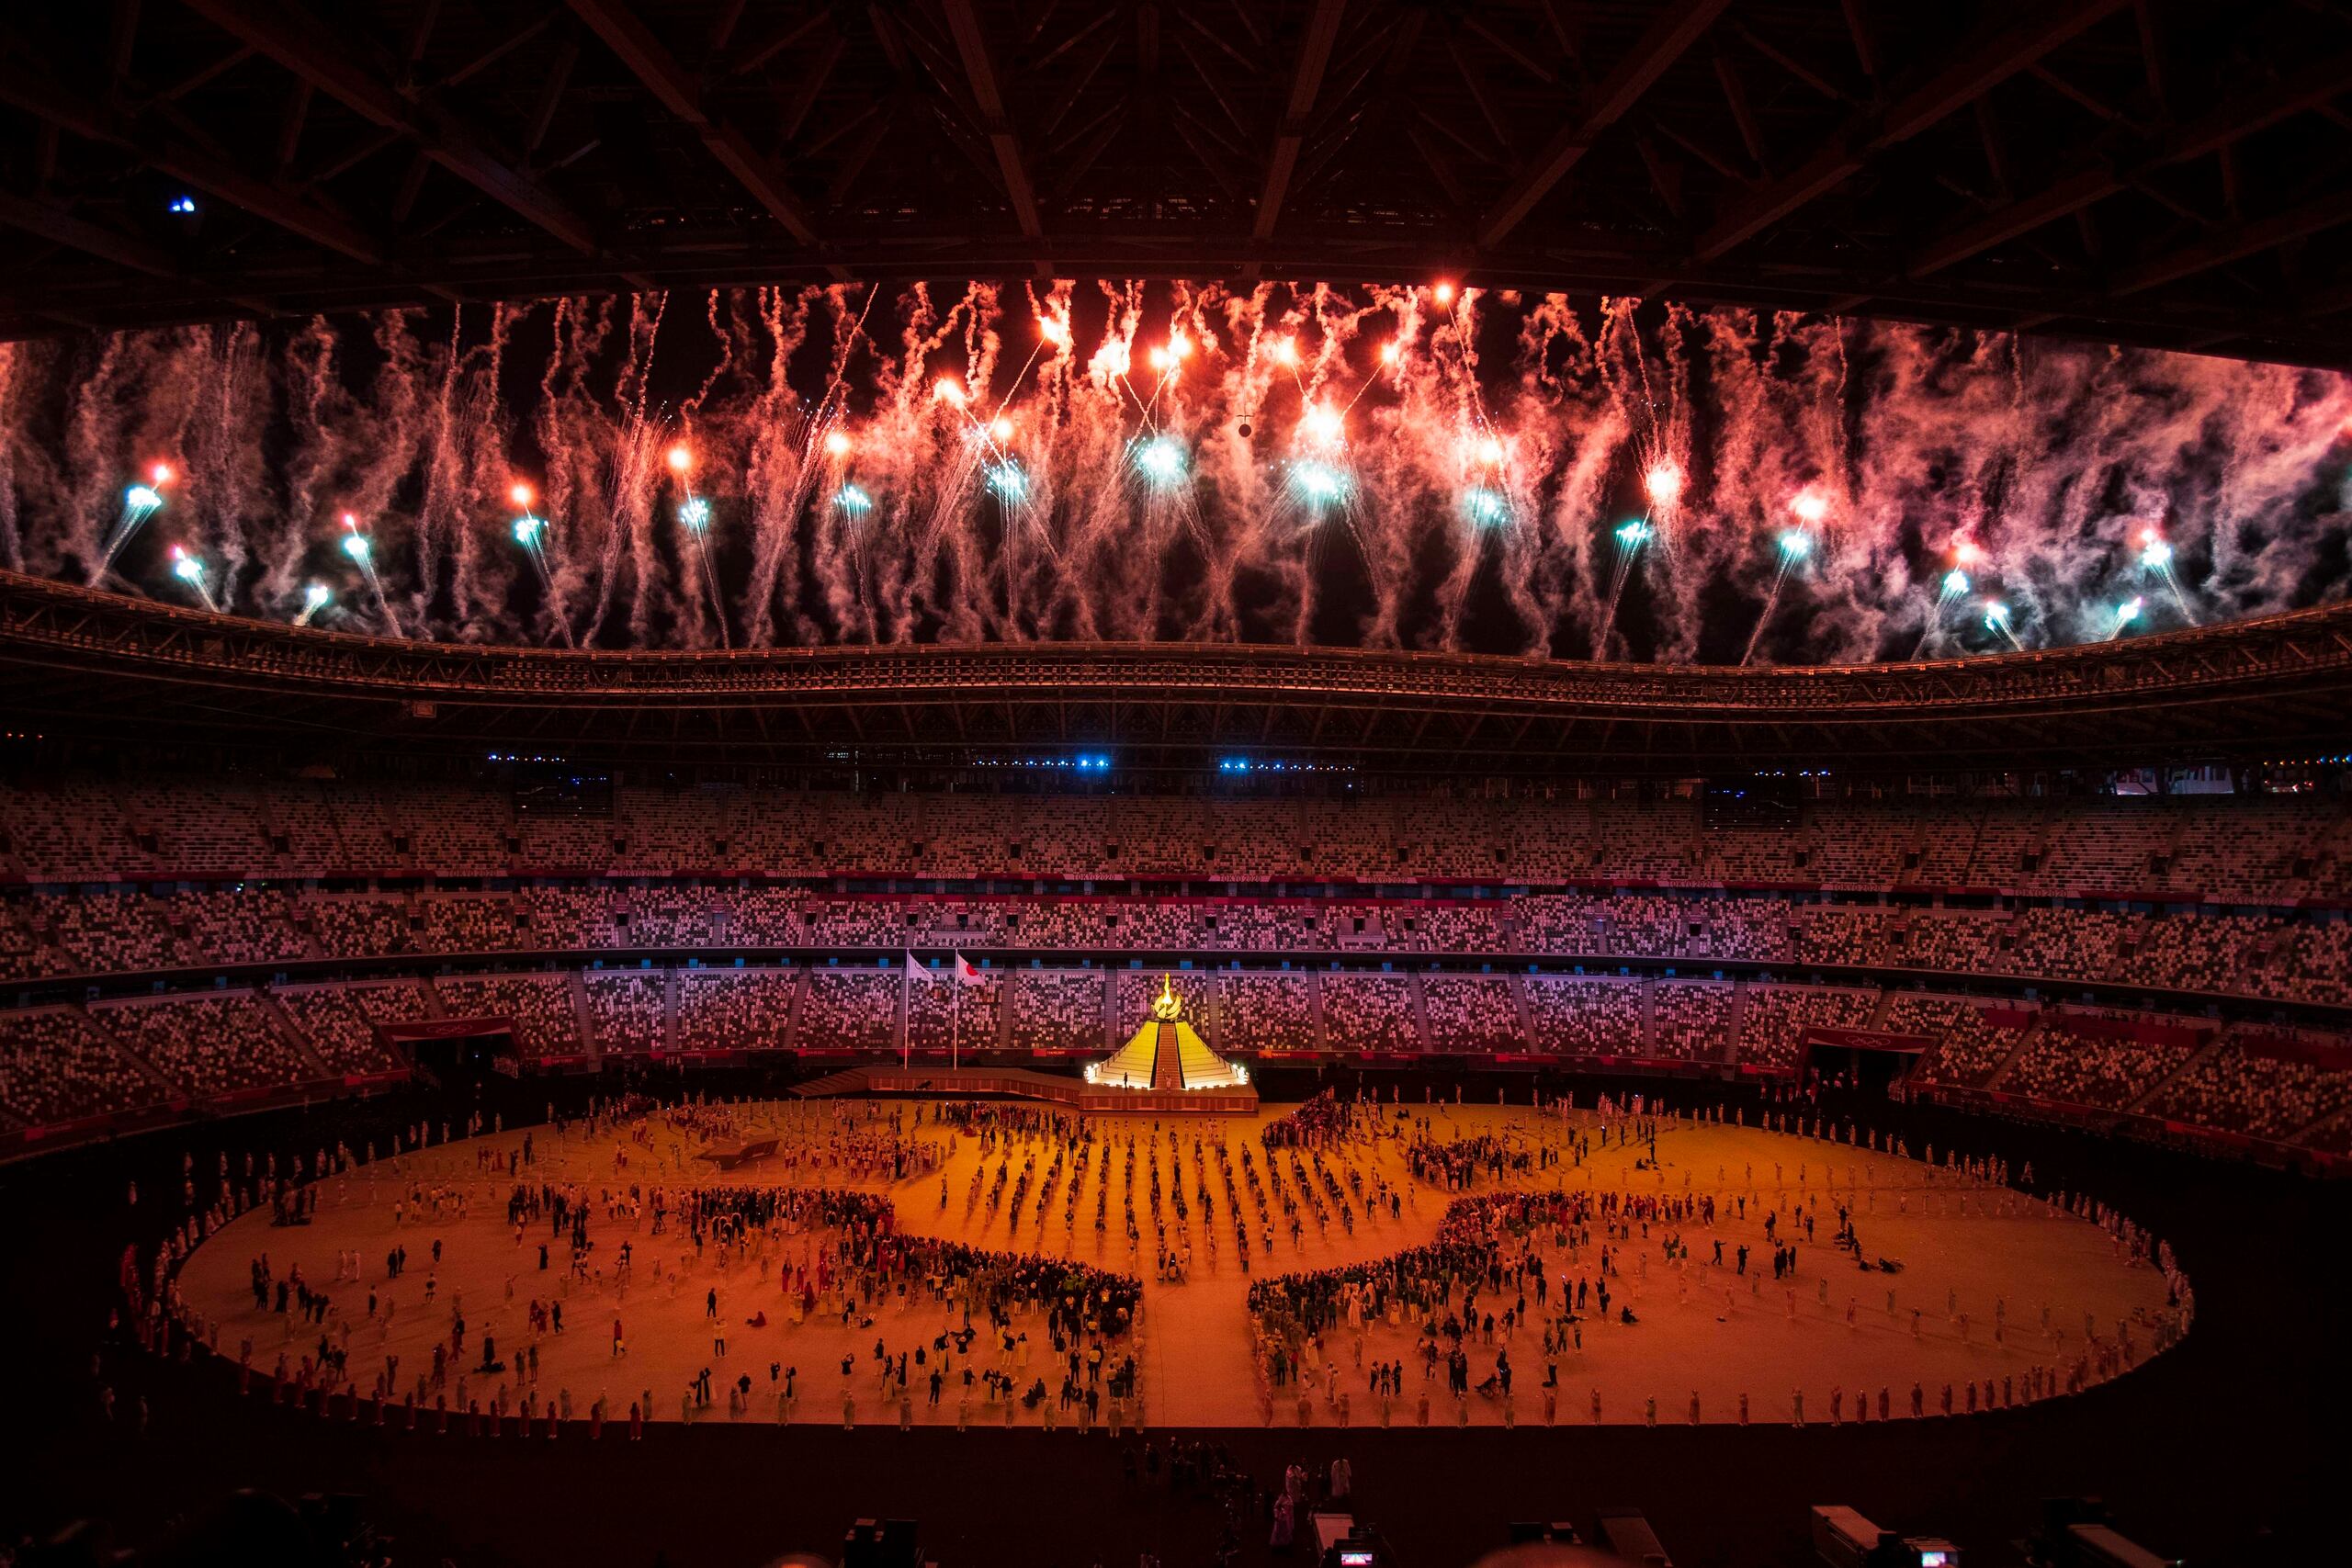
(1976, 70)
(1673, 31)
(38, 91)
(752, 56)
(2236, 242)
(54, 223)
(1306, 81)
(332, 66)
(681, 93)
(2218, 127)
(979, 72)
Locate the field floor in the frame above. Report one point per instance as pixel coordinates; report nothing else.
(1990, 1285)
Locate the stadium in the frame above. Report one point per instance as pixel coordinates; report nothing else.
(982, 780)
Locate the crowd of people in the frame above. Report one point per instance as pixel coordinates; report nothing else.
(60, 1064)
(2287, 956)
(1459, 1163)
(1471, 1015)
(271, 872)
(1368, 1012)
(628, 1011)
(411, 862)
(1527, 1273)
(1323, 1120)
(84, 829)
(805, 1248)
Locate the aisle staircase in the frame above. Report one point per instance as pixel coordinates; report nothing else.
(2139, 1103)
(2026, 1039)
(275, 1011)
(849, 1080)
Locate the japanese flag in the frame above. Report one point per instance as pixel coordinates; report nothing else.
(964, 974)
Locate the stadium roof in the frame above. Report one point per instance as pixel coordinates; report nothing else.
(2138, 171)
(78, 664)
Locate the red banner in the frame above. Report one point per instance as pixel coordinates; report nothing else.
(2334, 1055)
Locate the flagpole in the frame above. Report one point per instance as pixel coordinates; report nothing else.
(906, 1010)
(956, 1020)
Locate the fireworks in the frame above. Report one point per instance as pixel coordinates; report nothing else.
(1160, 460)
(530, 532)
(1795, 545)
(1996, 619)
(1319, 484)
(189, 569)
(1952, 589)
(1662, 482)
(1482, 451)
(315, 597)
(362, 551)
(1486, 507)
(2156, 555)
(1008, 480)
(139, 503)
(1631, 537)
(693, 516)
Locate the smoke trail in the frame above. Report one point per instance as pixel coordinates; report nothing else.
(15, 363)
(1473, 458)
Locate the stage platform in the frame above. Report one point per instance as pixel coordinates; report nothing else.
(1021, 1084)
